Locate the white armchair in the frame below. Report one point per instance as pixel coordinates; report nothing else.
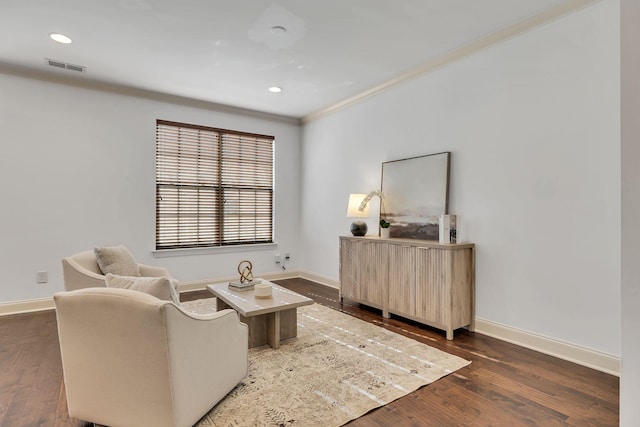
(130, 359)
(82, 271)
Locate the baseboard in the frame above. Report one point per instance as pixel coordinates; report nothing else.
(562, 350)
(198, 285)
(26, 306)
(582, 356)
(29, 306)
(323, 280)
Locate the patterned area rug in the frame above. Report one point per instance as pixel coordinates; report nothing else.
(337, 369)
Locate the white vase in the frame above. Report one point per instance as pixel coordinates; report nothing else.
(385, 232)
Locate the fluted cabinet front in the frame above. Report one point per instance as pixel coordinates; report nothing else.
(402, 280)
(421, 280)
(363, 272)
(350, 269)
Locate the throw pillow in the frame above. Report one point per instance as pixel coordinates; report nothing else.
(162, 288)
(116, 260)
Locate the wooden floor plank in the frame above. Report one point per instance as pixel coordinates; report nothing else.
(505, 385)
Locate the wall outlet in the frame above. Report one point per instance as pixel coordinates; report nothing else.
(287, 256)
(277, 258)
(42, 277)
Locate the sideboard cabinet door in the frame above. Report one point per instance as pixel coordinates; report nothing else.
(364, 272)
(444, 287)
(402, 280)
(374, 268)
(350, 269)
(432, 293)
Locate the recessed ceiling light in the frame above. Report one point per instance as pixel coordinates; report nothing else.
(275, 89)
(60, 38)
(278, 30)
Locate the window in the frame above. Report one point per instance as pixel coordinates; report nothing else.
(214, 187)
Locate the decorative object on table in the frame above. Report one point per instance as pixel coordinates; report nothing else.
(293, 385)
(416, 193)
(263, 290)
(365, 201)
(235, 286)
(385, 229)
(384, 224)
(245, 269)
(246, 282)
(447, 228)
(358, 227)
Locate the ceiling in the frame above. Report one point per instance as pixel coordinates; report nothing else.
(228, 51)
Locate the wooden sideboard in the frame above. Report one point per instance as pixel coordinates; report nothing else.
(421, 280)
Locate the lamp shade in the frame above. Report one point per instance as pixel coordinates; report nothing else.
(353, 210)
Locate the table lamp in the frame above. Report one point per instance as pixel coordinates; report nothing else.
(358, 227)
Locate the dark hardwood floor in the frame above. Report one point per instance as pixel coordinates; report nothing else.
(505, 385)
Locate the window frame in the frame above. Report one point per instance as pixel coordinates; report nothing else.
(192, 188)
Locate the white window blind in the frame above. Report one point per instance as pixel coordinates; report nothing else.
(214, 187)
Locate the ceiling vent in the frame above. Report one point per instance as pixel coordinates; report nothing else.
(65, 65)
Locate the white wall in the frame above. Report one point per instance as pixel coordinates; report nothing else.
(533, 127)
(78, 171)
(630, 377)
(533, 124)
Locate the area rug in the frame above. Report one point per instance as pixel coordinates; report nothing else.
(337, 369)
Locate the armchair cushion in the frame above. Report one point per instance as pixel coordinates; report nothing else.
(116, 260)
(163, 288)
(82, 271)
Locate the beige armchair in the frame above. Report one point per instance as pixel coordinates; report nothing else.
(82, 271)
(130, 359)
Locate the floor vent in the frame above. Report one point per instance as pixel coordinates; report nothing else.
(65, 65)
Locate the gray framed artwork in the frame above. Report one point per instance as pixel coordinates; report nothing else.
(416, 193)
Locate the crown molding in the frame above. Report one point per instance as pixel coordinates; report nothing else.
(59, 77)
(566, 8)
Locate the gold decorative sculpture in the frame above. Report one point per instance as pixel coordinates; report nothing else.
(244, 268)
(246, 281)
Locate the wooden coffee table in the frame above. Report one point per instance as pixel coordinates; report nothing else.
(270, 320)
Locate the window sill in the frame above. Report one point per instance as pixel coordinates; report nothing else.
(166, 253)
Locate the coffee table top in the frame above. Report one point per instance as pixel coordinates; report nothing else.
(245, 302)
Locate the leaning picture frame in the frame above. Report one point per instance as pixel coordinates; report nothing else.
(416, 193)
